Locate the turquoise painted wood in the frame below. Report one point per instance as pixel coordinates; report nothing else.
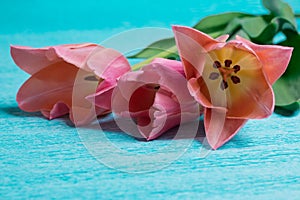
(41, 159)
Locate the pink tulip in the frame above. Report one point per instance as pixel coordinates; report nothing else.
(231, 80)
(156, 97)
(63, 77)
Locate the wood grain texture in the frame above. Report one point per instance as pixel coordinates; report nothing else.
(47, 159)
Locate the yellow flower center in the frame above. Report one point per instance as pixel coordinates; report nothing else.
(226, 72)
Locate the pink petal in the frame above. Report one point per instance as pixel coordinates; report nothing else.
(58, 110)
(109, 65)
(204, 40)
(164, 114)
(199, 91)
(33, 60)
(274, 58)
(222, 38)
(256, 91)
(47, 87)
(102, 96)
(55, 89)
(193, 46)
(172, 64)
(82, 110)
(220, 129)
(146, 95)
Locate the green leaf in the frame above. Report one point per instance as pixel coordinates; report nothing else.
(287, 91)
(241, 33)
(253, 26)
(265, 32)
(288, 110)
(233, 27)
(287, 88)
(259, 29)
(156, 48)
(280, 9)
(212, 25)
(217, 23)
(293, 70)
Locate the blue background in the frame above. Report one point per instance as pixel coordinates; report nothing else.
(47, 159)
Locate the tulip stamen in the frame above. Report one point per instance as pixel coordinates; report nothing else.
(91, 78)
(217, 64)
(226, 72)
(228, 63)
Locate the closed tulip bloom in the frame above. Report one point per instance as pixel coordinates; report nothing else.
(156, 98)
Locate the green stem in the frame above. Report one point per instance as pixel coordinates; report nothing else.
(162, 54)
(297, 15)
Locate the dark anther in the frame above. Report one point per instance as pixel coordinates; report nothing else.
(228, 63)
(214, 76)
(156, 87)
(224, 85)
(235, 79)
(217, 64)
(236, 68)
(91, 78)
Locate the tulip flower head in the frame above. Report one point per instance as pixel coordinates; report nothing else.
(231, 80)
(156, 98)
(57, 71)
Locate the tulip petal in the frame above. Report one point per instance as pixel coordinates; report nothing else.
(199, 90)
(147, 96)
(220, 129)
(172, 64)
(274, 58)
(252, 98)
(102, 96)
(223, 38)
(201, 38)
(50, 88)
(84, 111)
(164, 114)
(193, 46)
(59, 109)
(47, 87)
(33, 60)
(108, 64)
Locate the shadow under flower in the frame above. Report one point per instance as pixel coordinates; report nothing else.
(109, 124)
(17, 112)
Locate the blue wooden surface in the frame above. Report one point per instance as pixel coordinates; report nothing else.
(47, 159)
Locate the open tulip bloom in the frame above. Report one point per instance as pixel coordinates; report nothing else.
(231, 80)
(68, 78)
